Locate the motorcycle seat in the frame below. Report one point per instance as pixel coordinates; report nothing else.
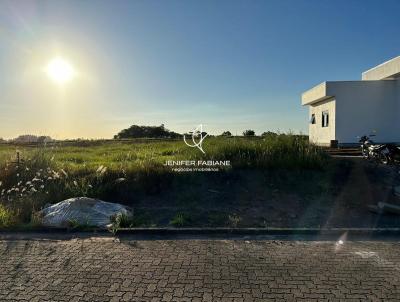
(376, 146)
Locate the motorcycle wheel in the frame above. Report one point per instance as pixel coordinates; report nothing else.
(384, 159)
(365, 154)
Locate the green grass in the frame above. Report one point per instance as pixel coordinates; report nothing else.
(180, 220)
(283, 151)
(128, 170)
(7, 216)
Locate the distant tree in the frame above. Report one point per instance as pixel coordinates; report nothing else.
(226, 133)
(28, 138)
(249, 133)
(136, 131)
(269, 134)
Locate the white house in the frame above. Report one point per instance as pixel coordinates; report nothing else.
(342, 110)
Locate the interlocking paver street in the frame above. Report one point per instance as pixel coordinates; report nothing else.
(110, 269)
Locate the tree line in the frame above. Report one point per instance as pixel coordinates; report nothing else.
(136, 131)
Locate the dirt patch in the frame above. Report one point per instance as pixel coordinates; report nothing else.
(337, 196)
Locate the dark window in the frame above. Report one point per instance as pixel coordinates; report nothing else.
(312, 120)
(325, 118)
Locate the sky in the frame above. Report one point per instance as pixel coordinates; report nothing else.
(229, 65)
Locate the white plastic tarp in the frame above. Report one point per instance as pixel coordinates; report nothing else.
(83, 211)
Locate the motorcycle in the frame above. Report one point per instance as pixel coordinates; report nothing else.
(394, 153)
(372, 151)
(383, 153)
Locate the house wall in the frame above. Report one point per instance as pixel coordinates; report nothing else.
(398, 104)
(318, 134)
(364, 107)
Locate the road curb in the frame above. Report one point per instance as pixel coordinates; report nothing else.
(257, 231)
(214, 231)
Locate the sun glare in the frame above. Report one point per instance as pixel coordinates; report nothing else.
(60, 71)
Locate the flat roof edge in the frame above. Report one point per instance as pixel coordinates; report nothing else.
(314, 94)
(382, 71)
(380, 65)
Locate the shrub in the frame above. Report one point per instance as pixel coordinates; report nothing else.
(234, 220)
(249, 133)
(180, 220)
(7, 217)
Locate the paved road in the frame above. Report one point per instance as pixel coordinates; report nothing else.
(109, 269)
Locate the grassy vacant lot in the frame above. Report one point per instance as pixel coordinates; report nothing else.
(272, 181)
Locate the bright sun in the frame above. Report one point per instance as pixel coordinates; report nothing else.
(60, 71)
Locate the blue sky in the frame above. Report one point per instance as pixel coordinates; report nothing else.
(230, 65)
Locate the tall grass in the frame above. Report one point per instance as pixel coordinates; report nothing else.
(117, 169)
(7, 216)
(280, 152)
